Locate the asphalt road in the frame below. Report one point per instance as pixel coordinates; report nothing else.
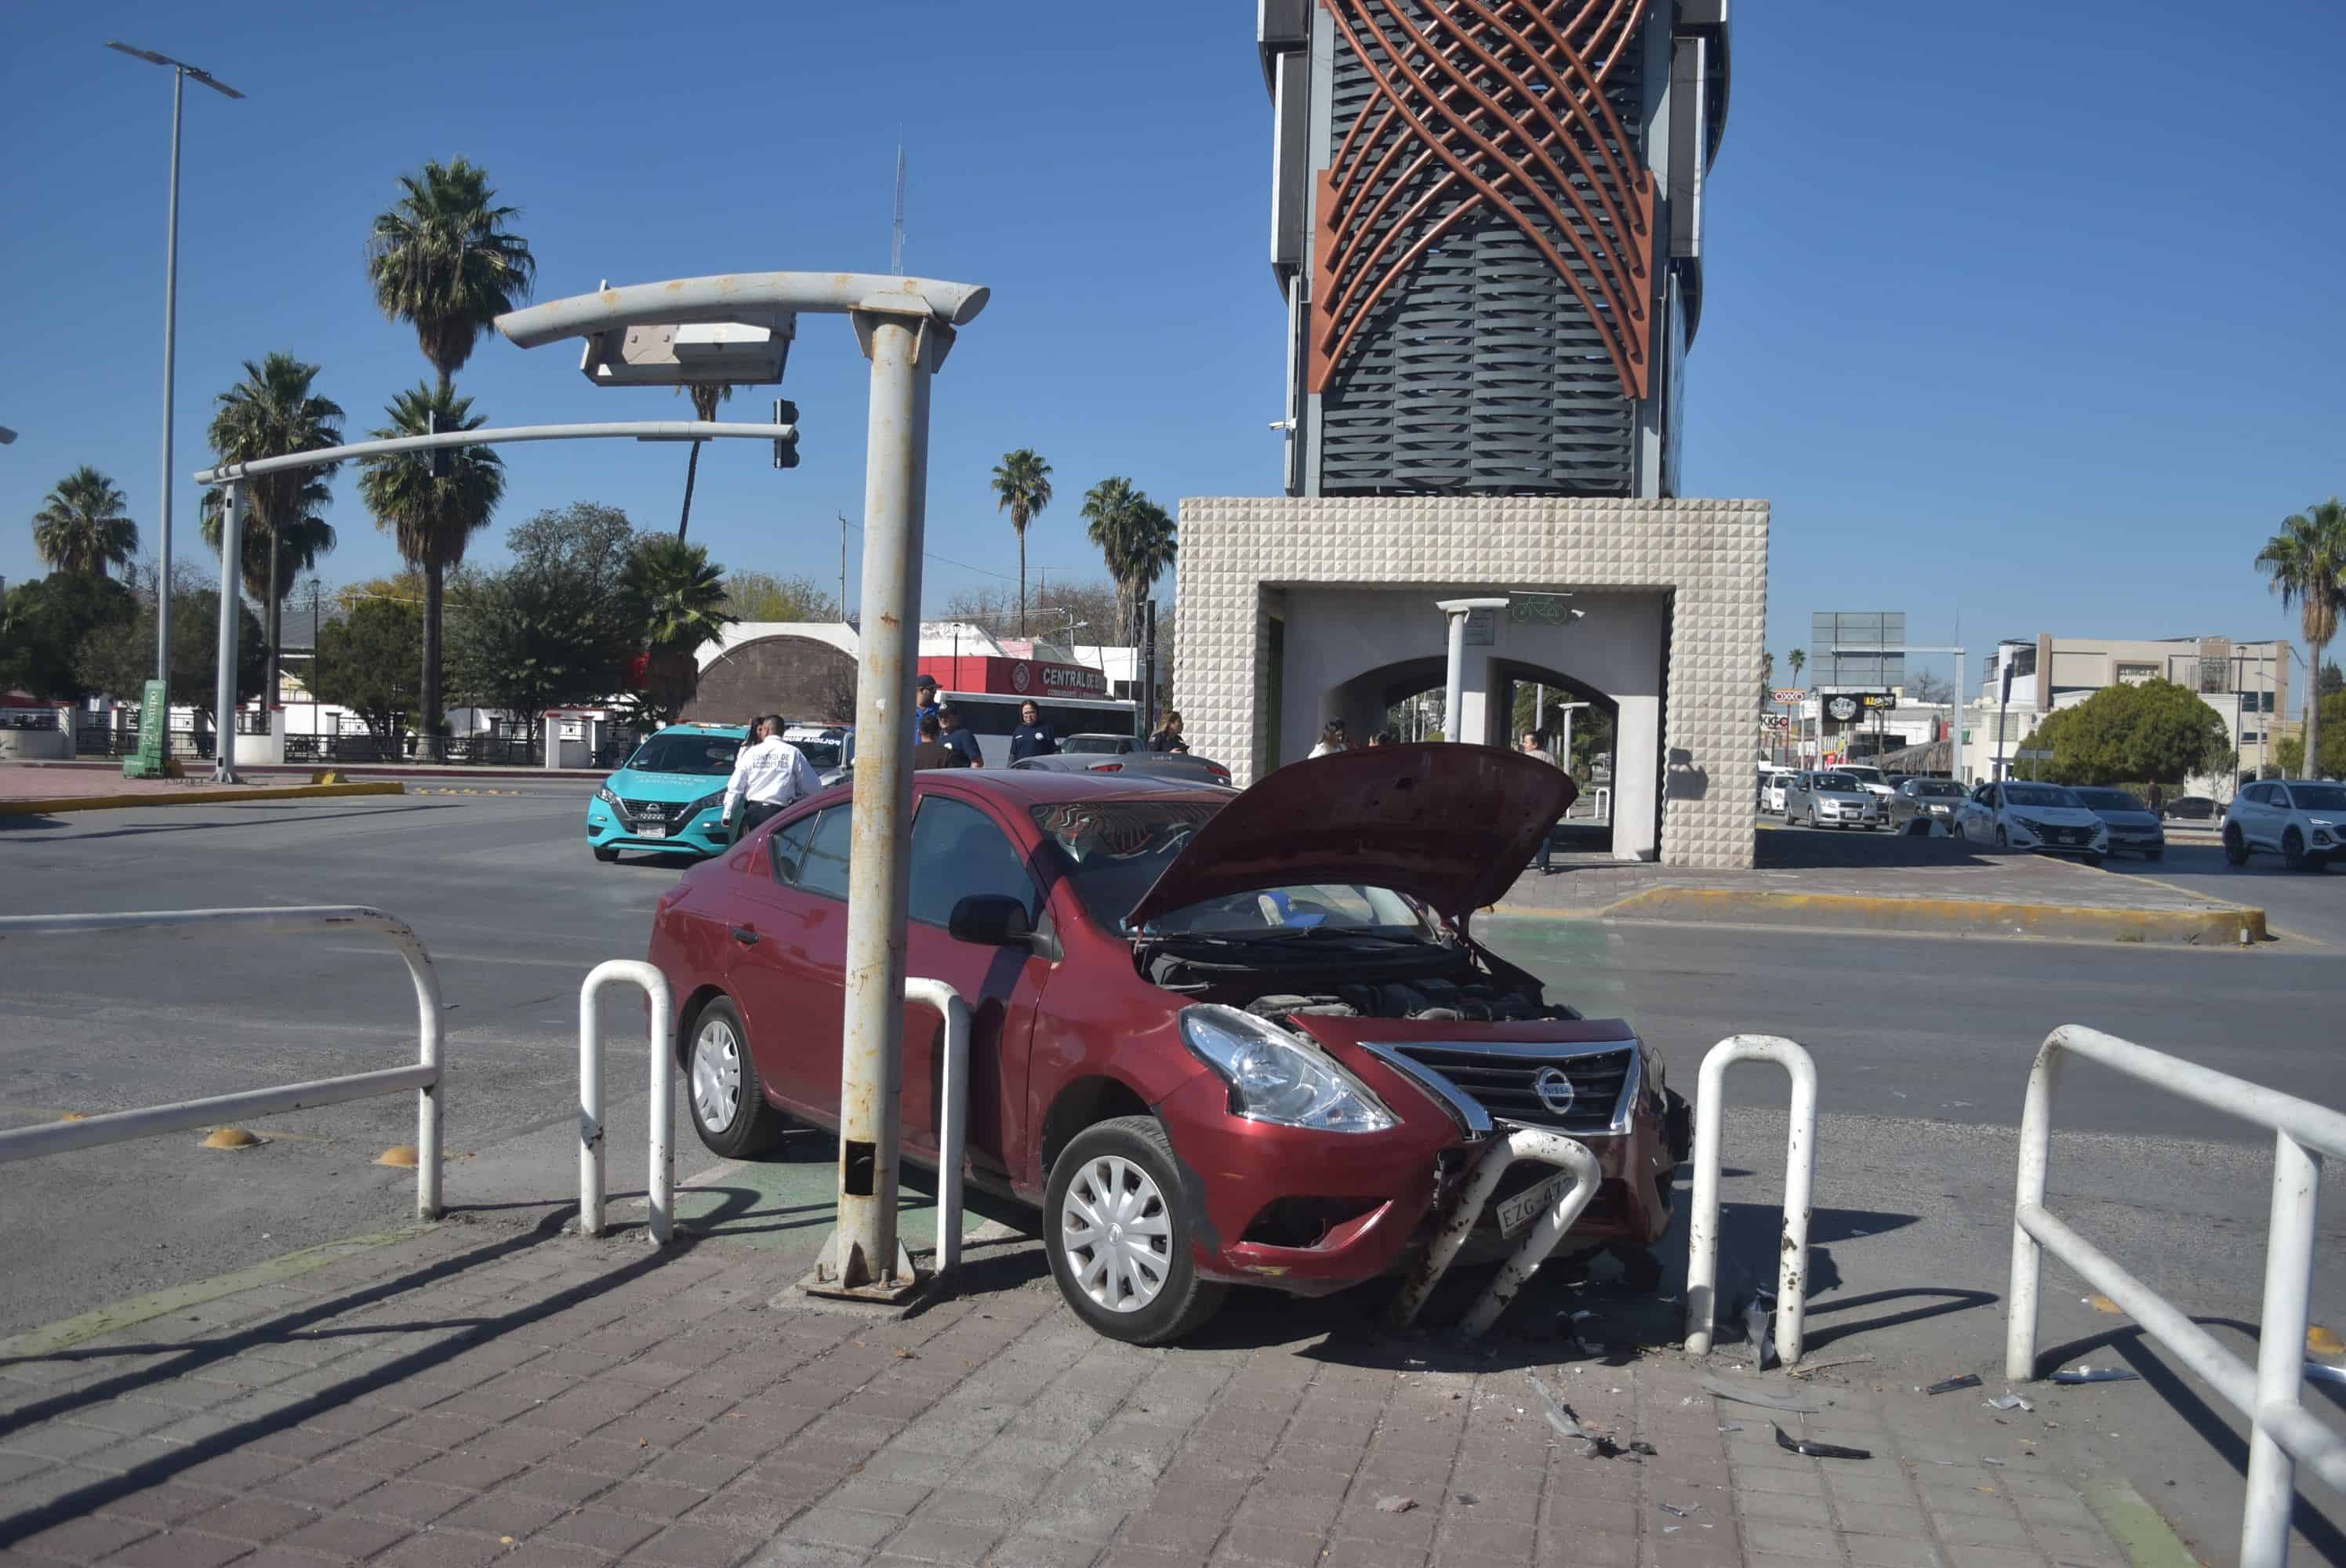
(2304, 905)
(514, 912)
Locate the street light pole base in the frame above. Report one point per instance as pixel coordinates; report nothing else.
(835, 1278)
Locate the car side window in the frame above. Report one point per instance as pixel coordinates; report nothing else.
(787, 845)
(958, 853)
(822, 866)
(2254, 794)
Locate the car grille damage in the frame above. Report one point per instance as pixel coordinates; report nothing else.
(1583, 1093)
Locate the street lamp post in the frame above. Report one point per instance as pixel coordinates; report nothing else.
(181, 71)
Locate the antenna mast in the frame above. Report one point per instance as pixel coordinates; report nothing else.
(896, 246)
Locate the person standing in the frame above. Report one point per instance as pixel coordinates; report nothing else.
(767, 776)
(1034, 737)
(1541, 863)
(924, 700)
(1169, 734)
(959, 739)
(1331, 739)
(929, 751)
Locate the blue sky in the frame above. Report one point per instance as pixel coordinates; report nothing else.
(2014, 313)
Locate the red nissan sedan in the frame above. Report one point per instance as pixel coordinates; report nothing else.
(1221, 1039)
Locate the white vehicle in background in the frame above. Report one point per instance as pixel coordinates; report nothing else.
(2017, 814)
(1773, 782)
(2302, 820)
(1870, 779)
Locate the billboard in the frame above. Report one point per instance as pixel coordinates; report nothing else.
(1831, 629)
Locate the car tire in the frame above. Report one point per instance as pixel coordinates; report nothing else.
(2094, 862)
(1956, 831)
(721, 1084)
(2003, 840)
(2154, 854)
(2292, 850)
(2236, 848)
(604, 852)
(1147, 1293)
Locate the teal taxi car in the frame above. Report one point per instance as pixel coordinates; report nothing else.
(670, 796)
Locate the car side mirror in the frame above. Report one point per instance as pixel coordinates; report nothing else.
(991, 920)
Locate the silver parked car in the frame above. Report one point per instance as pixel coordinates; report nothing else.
(2133, 824)
(1831, 800)
(1926, 801)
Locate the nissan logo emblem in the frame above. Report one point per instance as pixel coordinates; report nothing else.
(1553, 1089)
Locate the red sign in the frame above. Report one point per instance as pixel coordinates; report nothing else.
(1037, 679)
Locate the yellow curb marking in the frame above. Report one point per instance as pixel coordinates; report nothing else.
(49, 807)
(232, 1138)
(1984, 916)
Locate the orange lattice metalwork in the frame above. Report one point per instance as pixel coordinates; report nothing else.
(1490, 107)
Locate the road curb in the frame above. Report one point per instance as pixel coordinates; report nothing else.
(52, 805)
(372, 770)
(2139, 1530)
(51, 1337)
(1964, 917)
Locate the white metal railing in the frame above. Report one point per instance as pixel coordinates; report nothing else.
(149, 1121)
(1567, 1154)
(1800, 1174)
(953, 1115)
(2270, 1395)
(661, 1185)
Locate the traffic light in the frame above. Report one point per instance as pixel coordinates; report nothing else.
(786, 448)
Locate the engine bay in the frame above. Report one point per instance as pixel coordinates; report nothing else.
(1425, 997)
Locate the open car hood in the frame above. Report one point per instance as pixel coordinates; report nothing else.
(1451, 825)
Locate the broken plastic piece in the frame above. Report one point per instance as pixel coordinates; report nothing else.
(1968, 1380)
(1673, 1509)
(1759, 1315)
(1395, 1505)
(2096, 1375)
(1732, 1427)
(1648, 1450)
(1764, 1397)
(2321, 1374)
(1817, 1449)
(2010, 1403)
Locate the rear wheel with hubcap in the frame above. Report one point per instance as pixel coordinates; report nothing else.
(1119, 1244)
(728, 1100)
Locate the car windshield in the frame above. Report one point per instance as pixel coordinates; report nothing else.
(1091, 743)
(1113, 851)
(1865, 775)
(2318, 796)
(685, 751)
(2111, 801)
(1840, 781)
(1947, 787)
(2039, 795)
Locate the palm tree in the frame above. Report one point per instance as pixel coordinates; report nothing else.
(1148, 554)
(1107, 510)
(1022, 486)
(1797, 658)
(705, 400)
(432, 514)
(80, 527)
(442, 259)
(273, 412)
(2306, 564)
(679, 595)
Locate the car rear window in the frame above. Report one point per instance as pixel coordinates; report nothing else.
(2111, 801)
(1936, 787)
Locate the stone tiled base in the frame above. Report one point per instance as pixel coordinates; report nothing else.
(1712, 557)
(476, 1396)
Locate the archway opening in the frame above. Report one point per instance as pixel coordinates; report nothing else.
(1577, 726)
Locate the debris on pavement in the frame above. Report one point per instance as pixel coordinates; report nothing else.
(1817, 1449)
(1813, 1367)
(1761, 1395)
(2321, 1374)
(1395, 1505)
(2010, 1403)
(1968, 1380)
(1674, 1511)
(2096, 1375)
(1759, 1319)
(1593, 1445)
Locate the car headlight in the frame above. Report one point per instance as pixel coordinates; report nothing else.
(603, 795)
(708, 802)
(2028, 824)
(1275, 1077)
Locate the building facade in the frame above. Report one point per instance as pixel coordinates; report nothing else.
(1486, 227)
(2246, 683)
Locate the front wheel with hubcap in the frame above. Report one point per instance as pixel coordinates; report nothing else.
(2292, 850)
(1119, 1244)
(729, 1101)
(2236, 848)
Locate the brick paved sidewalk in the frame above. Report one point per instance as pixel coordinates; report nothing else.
(485, 1393)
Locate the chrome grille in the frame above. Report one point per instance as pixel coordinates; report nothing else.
(1499, 1078)
(651, 810)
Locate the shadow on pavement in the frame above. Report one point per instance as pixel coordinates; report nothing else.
(165, 1361)
(312, 816)
(1816, 849)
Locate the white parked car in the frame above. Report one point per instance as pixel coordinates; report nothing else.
(2302, 820)
(1831, 800)
(1870, 779)
(1773, 782)
(2019, 815)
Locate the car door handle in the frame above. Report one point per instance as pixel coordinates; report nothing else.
(746, 935)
